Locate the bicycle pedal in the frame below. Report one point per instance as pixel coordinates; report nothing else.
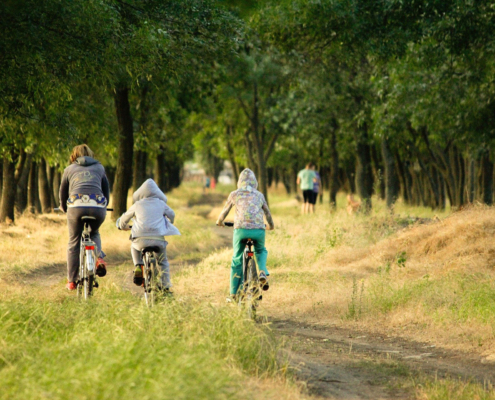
(96, 285)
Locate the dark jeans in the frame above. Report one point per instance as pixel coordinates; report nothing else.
(76, 226)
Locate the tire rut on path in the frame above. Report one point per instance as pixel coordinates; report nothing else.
(339, 363)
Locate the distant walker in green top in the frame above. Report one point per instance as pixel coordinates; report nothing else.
(306, 178)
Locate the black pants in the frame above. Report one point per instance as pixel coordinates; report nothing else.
(76, 226)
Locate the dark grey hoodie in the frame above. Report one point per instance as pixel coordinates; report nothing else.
(84, 176)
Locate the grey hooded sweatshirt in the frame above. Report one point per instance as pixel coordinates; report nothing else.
(150, 212)
(85, 176)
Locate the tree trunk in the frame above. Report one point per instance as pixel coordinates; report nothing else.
(44, 188)
(334, 179)
(364, 174)
(139, 174)
(378, 172)
(160, 172)
(487, 183)
(472, 181)
(123, 174)
(392, 184)
(231, 152)
(54, 183)
(8, 187)
(21, 198)
(33, 188)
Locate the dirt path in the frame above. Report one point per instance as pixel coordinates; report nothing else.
(338, 363)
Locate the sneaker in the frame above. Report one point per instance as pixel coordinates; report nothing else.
(138, 275)
(264, 281)
(231, 299)
(71, 286)
(101, 267)
(165, 290)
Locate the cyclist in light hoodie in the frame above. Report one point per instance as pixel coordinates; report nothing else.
(250, 205)
(153, 220)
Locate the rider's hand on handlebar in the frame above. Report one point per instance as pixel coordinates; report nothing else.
(220, 223)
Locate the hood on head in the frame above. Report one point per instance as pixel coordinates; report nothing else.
(86, 161)
(247, 179)
(149, 189)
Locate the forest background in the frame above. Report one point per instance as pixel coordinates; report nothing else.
(393, 98)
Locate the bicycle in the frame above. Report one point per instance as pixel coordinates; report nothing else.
(150, 274)
(249, 295)
(87, 260)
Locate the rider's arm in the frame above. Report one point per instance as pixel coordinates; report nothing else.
(63, 193)
(268, 215)
(126, 217)
(169, 213)
(226, 209)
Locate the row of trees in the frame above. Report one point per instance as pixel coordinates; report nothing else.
(390, 98)
(394, 98)
(119, 75)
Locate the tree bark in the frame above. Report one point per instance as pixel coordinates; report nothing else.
(33, 188)
(52, 176)
(21, 198)
(392, 184)
(123, 174)
(364, 174)
(44, 188)
(160, 172)
(334, 179)
(8, 187)
(487, 182)
(139, 174)
(231, 151)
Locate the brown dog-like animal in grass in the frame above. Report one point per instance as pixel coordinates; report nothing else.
(352, 205)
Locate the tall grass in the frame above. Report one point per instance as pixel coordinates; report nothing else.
(113, 347)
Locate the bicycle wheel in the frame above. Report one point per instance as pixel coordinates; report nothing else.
(80, 281)
(150, 277)
(251, 289)
(88, 278)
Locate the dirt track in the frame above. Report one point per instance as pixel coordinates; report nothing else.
(346, 364)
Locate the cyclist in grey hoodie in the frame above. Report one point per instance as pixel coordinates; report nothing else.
(84, 191)
(153, 220)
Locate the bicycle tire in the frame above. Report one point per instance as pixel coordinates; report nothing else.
(150, 279)
(251, 288)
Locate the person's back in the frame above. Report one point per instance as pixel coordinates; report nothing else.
(153, 220)
(250, 205)
(306, 179)
(84, 192)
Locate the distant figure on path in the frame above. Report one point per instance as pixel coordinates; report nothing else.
(306, 179)
(213, 183)
(352, 204)
(206, 187)
(316, 186)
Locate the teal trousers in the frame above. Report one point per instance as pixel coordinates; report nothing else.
(239, 243)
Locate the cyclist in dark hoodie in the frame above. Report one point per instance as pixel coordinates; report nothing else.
(153, 220)
(84, 191)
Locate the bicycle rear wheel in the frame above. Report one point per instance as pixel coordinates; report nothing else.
(150, 280)
(252, 289)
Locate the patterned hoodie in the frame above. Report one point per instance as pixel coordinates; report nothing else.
(249, 204)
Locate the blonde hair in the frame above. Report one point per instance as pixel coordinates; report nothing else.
(81, 151)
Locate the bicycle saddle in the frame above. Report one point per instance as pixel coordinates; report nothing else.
(88, 218)
(150, 249)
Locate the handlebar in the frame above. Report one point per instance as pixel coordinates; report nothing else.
(228, 223)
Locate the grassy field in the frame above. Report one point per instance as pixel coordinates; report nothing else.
(418, 274)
